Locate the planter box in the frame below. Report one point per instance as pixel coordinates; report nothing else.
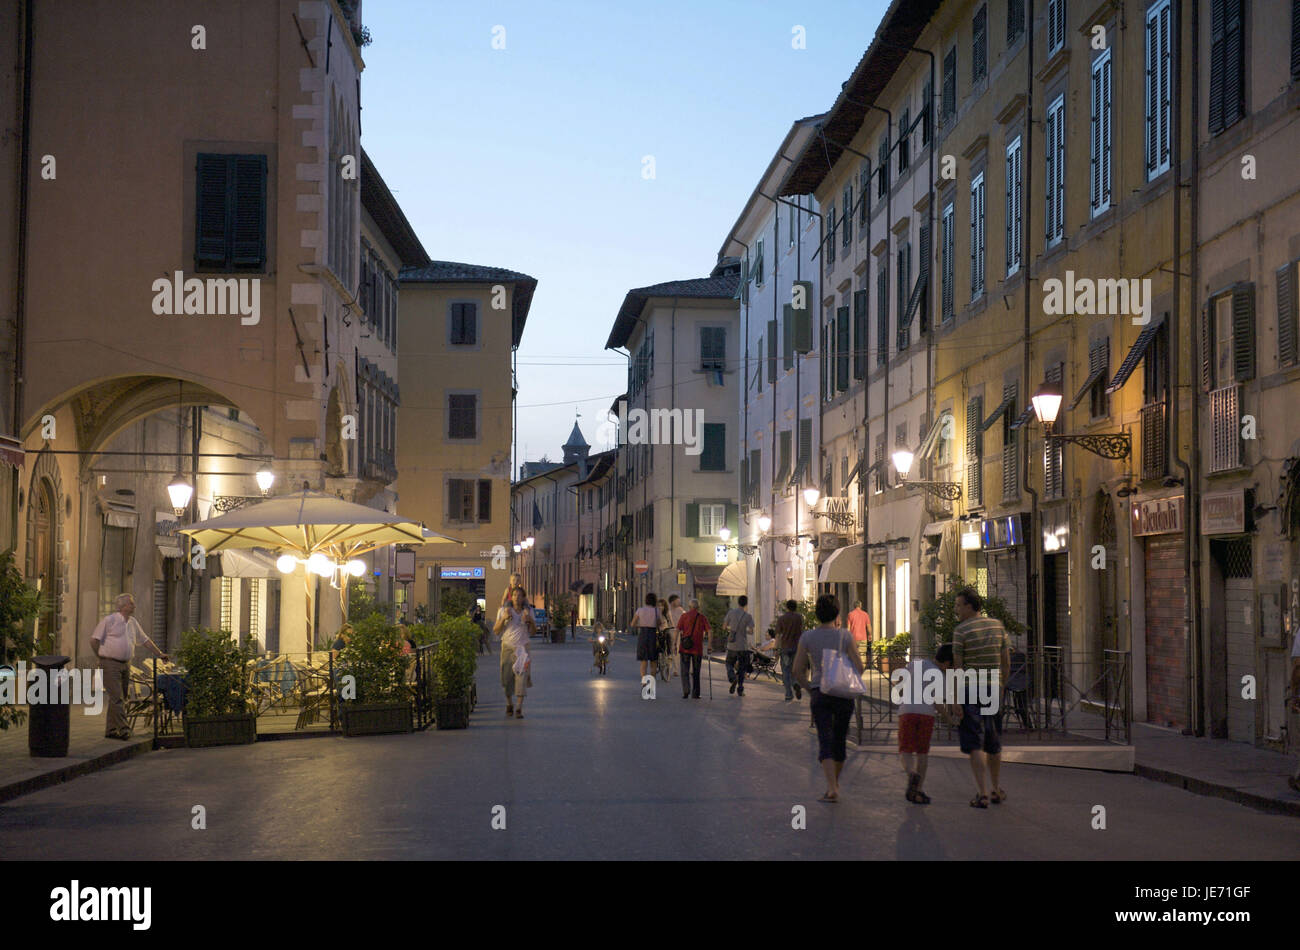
(453, 713)
(373, 719)
(203, 731)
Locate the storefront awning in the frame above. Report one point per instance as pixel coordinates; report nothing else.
(1134, 356)
(11, 452)
(706, 575)
(732, 582)
(247, 562)
(844, 566)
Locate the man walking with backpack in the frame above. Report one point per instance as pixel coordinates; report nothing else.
(739, 626)
(693, 628)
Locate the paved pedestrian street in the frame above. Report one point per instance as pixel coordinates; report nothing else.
(596, 772)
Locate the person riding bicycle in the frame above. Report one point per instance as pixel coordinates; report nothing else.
(665, 638)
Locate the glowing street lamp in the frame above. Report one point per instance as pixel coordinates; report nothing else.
(764, 523)
(811, 496)
(180, 492)
(725, 534)
(265, 478)
(1047, 403)
(903, 462)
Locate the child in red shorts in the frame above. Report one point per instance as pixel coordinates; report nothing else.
(916, 724)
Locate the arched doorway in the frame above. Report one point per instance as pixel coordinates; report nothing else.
(43, 568)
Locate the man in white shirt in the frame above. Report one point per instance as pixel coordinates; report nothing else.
(114, 642)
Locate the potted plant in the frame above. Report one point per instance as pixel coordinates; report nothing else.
(218, 709)
(370, 677)
(455, 660)
(895, 654)
(880, 654)
(939, 616)
(19, 605)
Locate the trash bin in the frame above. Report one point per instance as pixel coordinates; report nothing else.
(47, 729)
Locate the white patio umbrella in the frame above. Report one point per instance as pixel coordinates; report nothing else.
(308, 523)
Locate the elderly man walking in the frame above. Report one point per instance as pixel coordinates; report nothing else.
(693, 630)
(114, 642)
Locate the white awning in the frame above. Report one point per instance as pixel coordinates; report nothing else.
(248, 562)
(844, 566)
(732, 582)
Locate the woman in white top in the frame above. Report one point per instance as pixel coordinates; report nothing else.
(646, 624)
(514, 625)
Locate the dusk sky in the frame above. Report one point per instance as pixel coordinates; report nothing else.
(530, 157)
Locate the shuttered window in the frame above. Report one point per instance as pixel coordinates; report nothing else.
(787, 337)
(1015, 205)
(1227, 63)
(949, 93)
(828, 249)
(879, 463)
(1228, 338)
(927, 113)
(842, 349)
(1295, 39)
(762, 370)
(846, 235)
(825, 365)
(949, 235)
(784, 457)
(860, 334)
(230, 212)
(864, 199)
(1287, 330)
(979, 47)
(977, 236)
(1010, 447)
(904, 140)
(1055, 25)
(1158, 91)
(1099, 130)
(771, 356)
(1099, 366)
(713, 349)
(1055, 183)
(713, 458)
(462, 416)
(882, 312)
(1054, 450)
(1015, 20)
(904, 265)
(974, 453)
(464, 324)
(882, 168)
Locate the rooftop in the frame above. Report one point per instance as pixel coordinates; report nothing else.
(721, 285)
(454, 272)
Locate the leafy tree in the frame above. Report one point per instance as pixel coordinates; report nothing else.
(216, 673)
(375, 660)
(939, 616)
(456, 602)
(714, 609)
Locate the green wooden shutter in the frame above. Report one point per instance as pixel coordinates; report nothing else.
(1243, 333)
(805, 442)
(860, 334)
(1295, 38)
(744, 479)
(1286, 315)
(762, 370)
(803, 342)
(842, 349)
(1207, 347)
(248, 239)
(787, 337)
(772, 333)
(691, 528)
(210, 211)
(733, 520)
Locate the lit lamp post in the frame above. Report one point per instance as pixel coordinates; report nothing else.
(265, 478)
(949, 491)
(180, 492)
(1047, 405)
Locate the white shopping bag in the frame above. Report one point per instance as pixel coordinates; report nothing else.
(521, 662)
(839, 678)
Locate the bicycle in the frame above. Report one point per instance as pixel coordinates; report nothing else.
(664, 665)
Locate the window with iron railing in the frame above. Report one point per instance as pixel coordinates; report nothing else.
(1225, 428)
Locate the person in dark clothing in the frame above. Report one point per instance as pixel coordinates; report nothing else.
(831, 713)
(789, 628)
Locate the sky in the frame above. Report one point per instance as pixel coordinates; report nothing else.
(531, 157)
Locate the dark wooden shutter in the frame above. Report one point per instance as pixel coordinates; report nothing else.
(950, 82)
(248, 241)
(974, 451)
(714, 457)
(979, 44)
(842, 349)
(1243, 333)
(860, 334)
(825, 369)
(787, 337)
(1010, 455)
(803, 319)
(1286, 315)
(805, 442)
(1234, 63)
(904, 259)
(1295, 39)
(692, 526)
(1015, 20)
(923, 278)
(211, 174)
(484, 499)
(1153, 94)
(1207, 346)
(762, 369)
(733, 520)
(755, 472)
(771, 346)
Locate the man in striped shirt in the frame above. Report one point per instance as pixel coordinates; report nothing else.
(980, 643)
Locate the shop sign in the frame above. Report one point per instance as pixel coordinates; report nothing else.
(405, 569)
(970, 538)
(720, 554)
(1223, 512)
(1001, 532)
(1158, 516)
(461, 573)
(1056, 530)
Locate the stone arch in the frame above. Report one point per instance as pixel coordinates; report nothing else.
(46, 561)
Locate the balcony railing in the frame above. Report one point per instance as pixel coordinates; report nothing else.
(1155, 460)
(1225, 428)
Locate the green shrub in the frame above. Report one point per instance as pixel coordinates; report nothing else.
(375, 662)
(714, 609)
(216, 673)
(456, 602)
(362, 604)
(19, 605)
(561, 609)
(455, 657)
(939, 616)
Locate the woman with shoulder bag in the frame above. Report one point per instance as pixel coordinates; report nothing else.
(827, 657)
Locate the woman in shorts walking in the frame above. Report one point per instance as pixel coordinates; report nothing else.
(646, 624)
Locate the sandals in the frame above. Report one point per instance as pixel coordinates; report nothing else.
(914, 793)
(979, 801)
(510, 711)
(519, 714)
(829, 799)
(998, 797)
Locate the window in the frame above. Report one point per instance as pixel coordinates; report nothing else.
(771, 351)
(758, 263)
(1288, 333)
(882, 311)
(1053, 449)
(1055, 26)
(1099, 96)
(927, 113)
(828, 247)
(712, 520)
(847, 237)
(946, 265)
(230, 212)
(463, 327)
(1010, 447)
(979, 45)
(463, 493)
(805, 447)
(882, 168)
(904, 265)
(974, 453)
(860, 334)
(462, 415)
(1015, 205)
(1295, 39)
(879, 461)
(1055, 184)
(904, 140)
(713, 458)
(864, 192)
(825, 374)
(1227, 64)
(1099, 366)
(1015, 20)
(842, 349)
(1228, 338)
(949, 105)
(977, 236)
(1158, 91)
(761, 372)
(784, 457)
(713, 350)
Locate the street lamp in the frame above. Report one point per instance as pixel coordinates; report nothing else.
(724, 533)
(811, 496)
(1110, 445)
(180, 492)
(518, 548)
(949, 491)
(265, 478)
(764, 523)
